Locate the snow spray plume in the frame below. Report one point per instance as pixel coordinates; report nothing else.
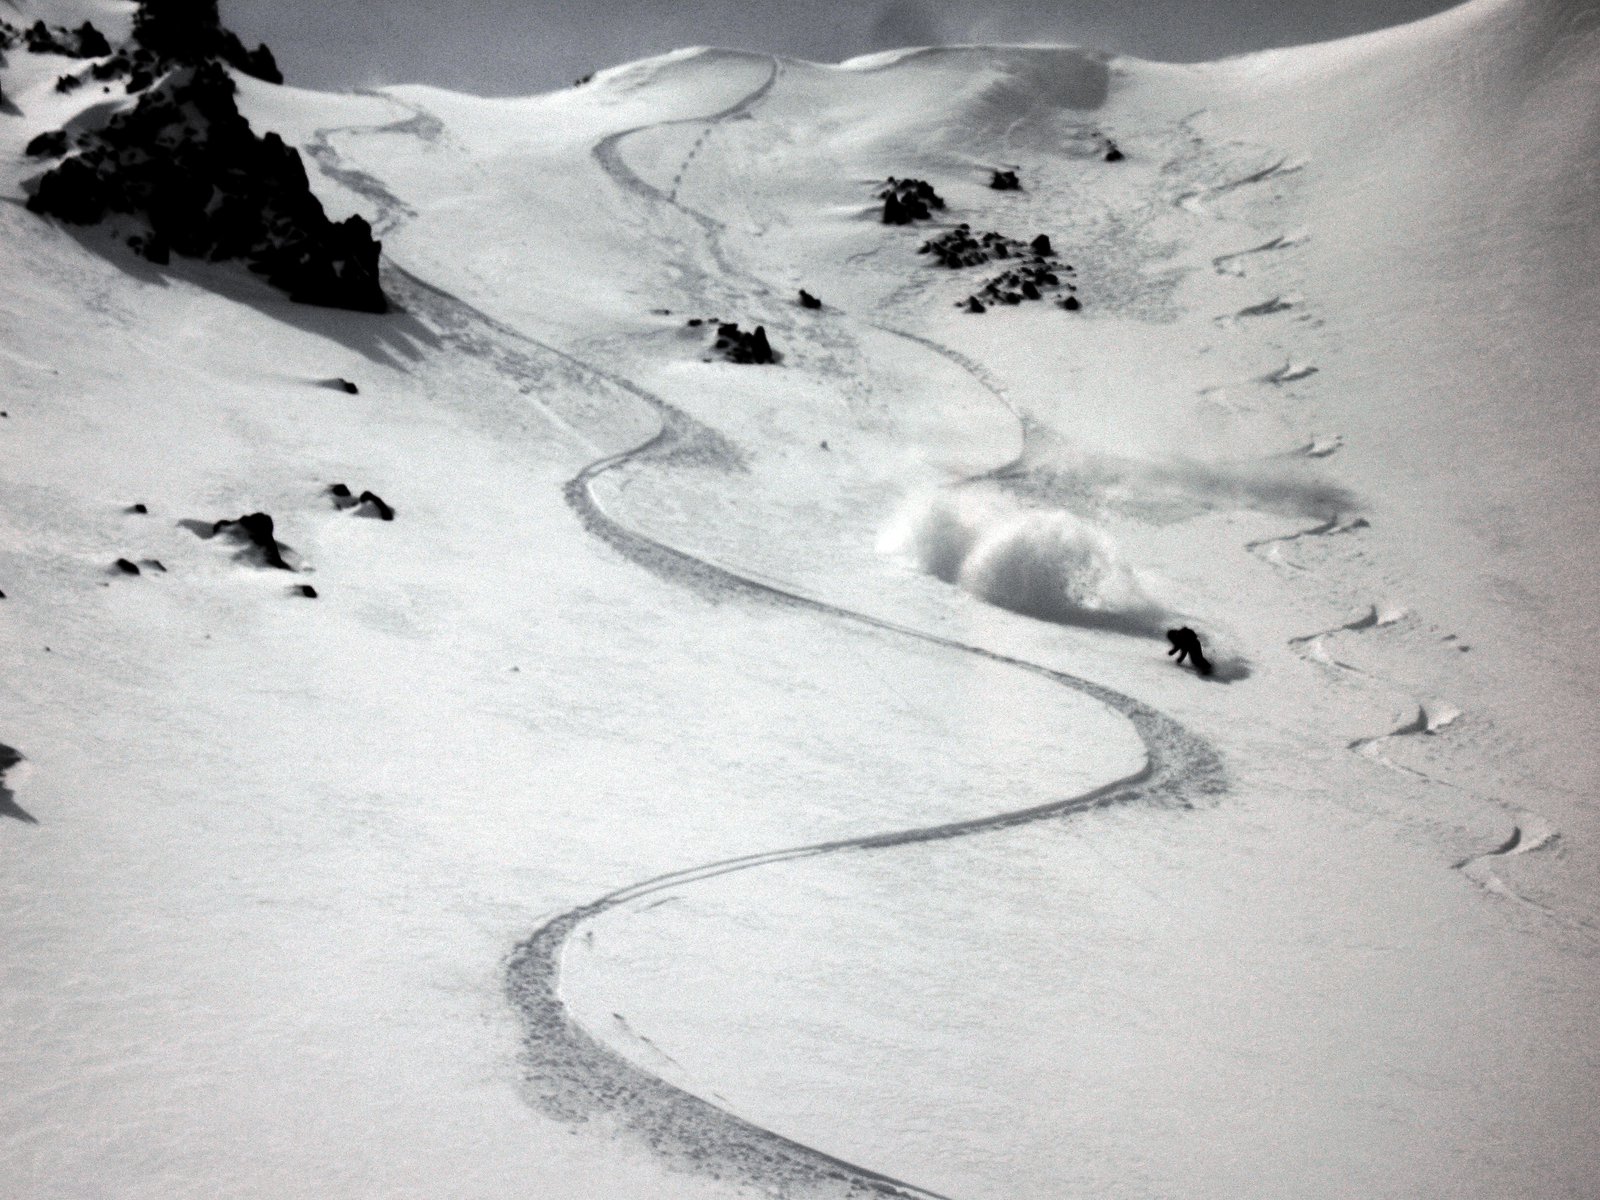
(1041, 563)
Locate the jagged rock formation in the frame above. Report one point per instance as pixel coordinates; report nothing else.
(191, 31)
(807, 300)
(1005, 181)
(368, 504)
(83, 42)
(1038, 272)
(186, 170)
(741, 347)
(256, 529)
(908, 200)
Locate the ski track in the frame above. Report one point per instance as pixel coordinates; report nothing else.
(569, 1074)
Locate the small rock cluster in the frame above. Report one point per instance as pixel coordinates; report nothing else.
(1005, 181)
(368, 504)
(740, 347)
(960, 247)
(83, 42)
(256, 530)
(736, 344)
(1038, 273)
(908, 200)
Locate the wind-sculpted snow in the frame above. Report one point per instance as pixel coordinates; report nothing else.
(573, 1076)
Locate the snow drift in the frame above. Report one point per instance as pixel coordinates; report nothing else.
(1043, 563)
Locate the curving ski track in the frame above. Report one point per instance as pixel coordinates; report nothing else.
(572, 1075)
(568, 1073)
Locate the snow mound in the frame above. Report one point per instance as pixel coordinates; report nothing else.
(1043, 563)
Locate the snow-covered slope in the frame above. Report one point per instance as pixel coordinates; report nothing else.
(724, 779)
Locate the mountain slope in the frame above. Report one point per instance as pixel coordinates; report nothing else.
(1319, 925)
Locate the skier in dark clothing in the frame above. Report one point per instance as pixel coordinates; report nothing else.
(1186, 644)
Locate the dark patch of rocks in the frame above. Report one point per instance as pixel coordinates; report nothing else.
(739, 346)
(138, 508)
(372, 504)
(185, 163)
(255, 529)
(1038, 272)
(961, 247)
(807, 300)
(51, 144)
(189, 31)
(83, 42)
(908, 200)
(1113, 153)
(1005, 181)
(368, 504)
(306, 590)
(126, 566)
(349, 387)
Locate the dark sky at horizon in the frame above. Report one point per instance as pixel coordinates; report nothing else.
(517, 47)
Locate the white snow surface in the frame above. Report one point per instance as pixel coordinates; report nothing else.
(1323, 925)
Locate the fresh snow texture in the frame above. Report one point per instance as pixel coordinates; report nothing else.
(729, 780)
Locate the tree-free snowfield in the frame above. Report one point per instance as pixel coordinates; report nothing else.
(730, 780)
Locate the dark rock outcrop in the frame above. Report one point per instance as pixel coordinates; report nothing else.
(83, 42)
(741, 347)
(908, 200)
(185, 162)
(256, 529)
(1005, 181)
(306, 590)
(372, 504)
(807, 300)
(126, 567)
(8, 800)
(51, 144)
(1037, 272)
(190, 31)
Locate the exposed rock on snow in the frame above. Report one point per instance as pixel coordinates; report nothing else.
(186, 163)
(8, 801)
(741, 346)
(83, 42)
(367, 504)
(255, 529)
(908, 200)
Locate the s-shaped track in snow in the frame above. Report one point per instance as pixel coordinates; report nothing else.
(572, 1075)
